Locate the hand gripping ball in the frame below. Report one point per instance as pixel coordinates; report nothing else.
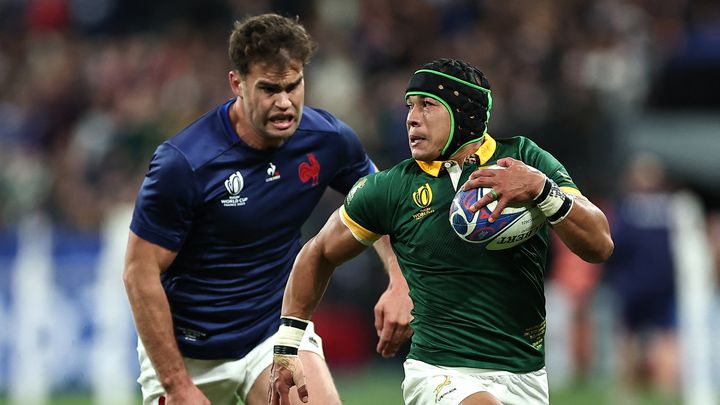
(515, 224)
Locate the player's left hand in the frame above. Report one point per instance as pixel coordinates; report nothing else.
(286, 371)
(517, 183)
(392, 318)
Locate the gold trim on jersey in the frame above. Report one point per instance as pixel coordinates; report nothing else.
(486, 149)
(432, 169)
(572, 191)
(362, 235)
(484, 153)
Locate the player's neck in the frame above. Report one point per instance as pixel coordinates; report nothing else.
(466, 151)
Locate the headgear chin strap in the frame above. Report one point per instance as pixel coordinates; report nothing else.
(469, 106)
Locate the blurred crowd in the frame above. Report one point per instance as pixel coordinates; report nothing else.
(88, 88)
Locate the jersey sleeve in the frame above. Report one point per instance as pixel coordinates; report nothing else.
(356, 162)
(544, 161)
(364, 211)
(164, 206)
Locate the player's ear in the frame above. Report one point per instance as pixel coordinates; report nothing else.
(236, 82)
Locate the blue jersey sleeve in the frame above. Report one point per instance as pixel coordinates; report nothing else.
(358, 164)
(164, 205)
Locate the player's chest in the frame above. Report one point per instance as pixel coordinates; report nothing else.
(267, 190)
(423, 207)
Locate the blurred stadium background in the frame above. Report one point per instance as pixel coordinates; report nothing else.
(88, 88)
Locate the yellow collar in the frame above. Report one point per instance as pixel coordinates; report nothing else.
(484, 153)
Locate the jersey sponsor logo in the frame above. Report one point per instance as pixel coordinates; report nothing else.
(360, 184)
(191, 334)
(310, 170)
(536, 335)
(234, 185)
(438, 390)
(272, 173)
(423, 196)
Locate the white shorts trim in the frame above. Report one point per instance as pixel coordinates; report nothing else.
(223, 381)
(428, 384)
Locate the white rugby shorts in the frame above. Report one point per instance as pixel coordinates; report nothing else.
(429, 384)
(222, 381)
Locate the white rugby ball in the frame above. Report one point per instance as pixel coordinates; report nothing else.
(515, 224)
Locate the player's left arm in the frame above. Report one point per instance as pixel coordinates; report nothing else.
(393, 309)
(581, 225)
(585, 231)
(314, 265)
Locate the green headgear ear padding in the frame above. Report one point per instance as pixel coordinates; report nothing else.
(469, 104)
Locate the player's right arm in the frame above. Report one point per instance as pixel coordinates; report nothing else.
(314, 265)
(331, 247)
(144, 261)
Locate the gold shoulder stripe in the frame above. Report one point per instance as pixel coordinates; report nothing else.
(362, 235)
(572, 191)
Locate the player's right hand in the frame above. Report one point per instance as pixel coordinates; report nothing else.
(286, 371)
(392, 319)
(517, 183)
(188, 394)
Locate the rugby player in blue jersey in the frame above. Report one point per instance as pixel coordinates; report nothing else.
(216, 229)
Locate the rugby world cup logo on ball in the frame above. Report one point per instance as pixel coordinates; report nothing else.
(515, 224)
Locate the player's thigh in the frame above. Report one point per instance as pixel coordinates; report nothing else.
(321, 389)
(215, 378)
(218, 386)
(259, 393)
(481, 398)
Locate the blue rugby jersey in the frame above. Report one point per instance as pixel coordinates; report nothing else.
(233, 214)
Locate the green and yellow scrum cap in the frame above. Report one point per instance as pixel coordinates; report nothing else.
(464, 91)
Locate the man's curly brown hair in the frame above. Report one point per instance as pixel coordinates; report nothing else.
(270, 39)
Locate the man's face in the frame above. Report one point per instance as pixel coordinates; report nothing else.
(428, 127)
(272, 101)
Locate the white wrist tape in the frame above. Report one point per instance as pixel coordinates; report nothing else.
(289, 335)
(553, 202)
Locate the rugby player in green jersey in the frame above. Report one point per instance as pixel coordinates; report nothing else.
(479, 315)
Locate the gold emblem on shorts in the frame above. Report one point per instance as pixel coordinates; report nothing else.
(439, 387)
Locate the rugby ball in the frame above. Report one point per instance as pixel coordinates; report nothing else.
(515, 224)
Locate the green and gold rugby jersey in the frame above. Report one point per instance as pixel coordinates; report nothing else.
(472, 307)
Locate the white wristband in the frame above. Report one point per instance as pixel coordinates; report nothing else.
(289, 335)
(553, 202)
